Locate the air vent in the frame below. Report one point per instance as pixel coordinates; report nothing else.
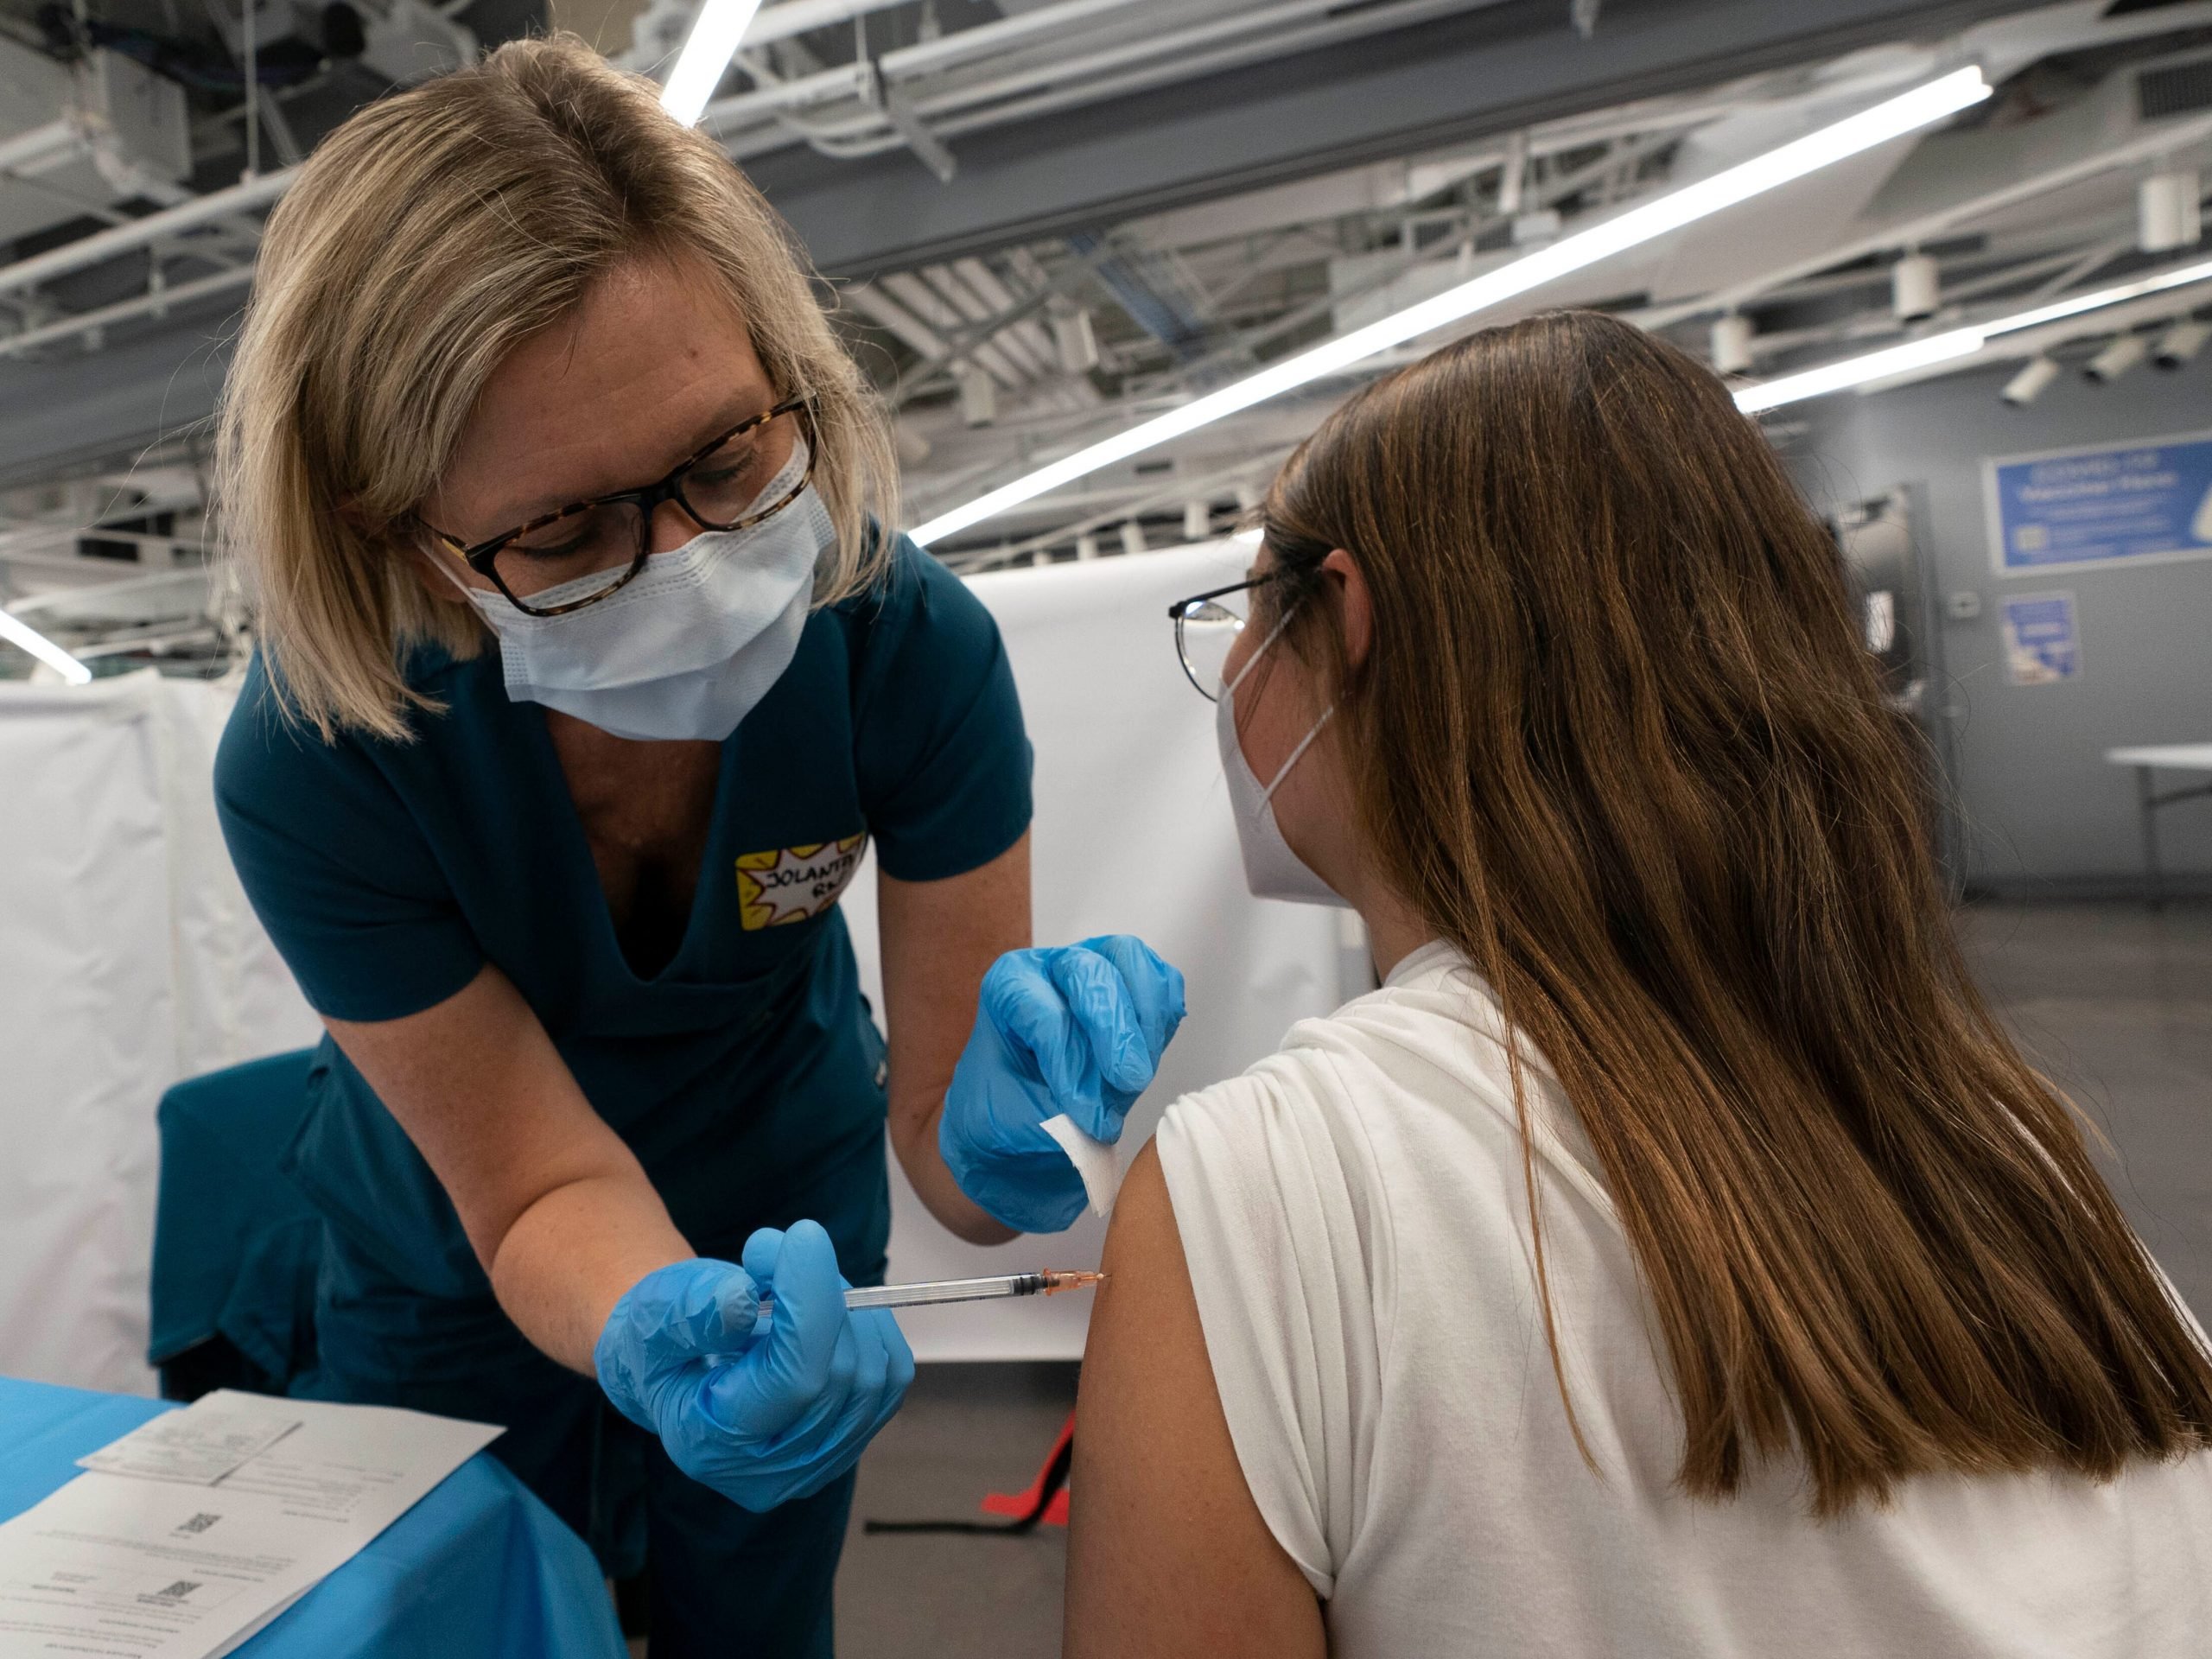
(2174, 89)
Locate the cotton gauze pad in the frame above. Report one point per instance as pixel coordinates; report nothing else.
(1101, 1165)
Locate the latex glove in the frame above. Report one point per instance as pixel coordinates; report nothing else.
(1076, 1028)
(766, 1419)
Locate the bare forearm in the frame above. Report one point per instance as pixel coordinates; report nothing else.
(567, 1258)
(938, 938)
(913, 1136)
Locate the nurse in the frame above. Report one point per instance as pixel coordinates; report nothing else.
(585, 677)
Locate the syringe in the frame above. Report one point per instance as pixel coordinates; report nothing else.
(1046, 1283)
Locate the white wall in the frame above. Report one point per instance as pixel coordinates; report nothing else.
(2044, 814)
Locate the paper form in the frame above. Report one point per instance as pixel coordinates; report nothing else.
(124, 1566)
(201, 1444)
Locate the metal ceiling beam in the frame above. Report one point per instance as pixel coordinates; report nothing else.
(1497, 68)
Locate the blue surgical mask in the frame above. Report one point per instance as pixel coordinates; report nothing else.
(689, 646)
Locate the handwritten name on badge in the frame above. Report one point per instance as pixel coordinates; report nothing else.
(791, 884)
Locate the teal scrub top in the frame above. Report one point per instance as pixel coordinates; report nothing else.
(748, 1068)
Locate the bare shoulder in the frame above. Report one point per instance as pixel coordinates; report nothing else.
(1168, 1553)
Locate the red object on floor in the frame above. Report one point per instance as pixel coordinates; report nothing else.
(1020, 1503)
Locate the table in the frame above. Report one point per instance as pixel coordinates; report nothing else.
(2147, 759)
(480, 1566)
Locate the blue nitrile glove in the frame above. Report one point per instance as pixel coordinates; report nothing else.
(1073, 1028)
(767, 1419)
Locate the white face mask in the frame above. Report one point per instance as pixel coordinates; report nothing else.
(1272, 870)
(690, 645)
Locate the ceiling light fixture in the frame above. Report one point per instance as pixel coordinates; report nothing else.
(1732, 345)
(2031, 383)
(2167, 215)
(1892, 118)
(1915, 287)
(2125, 351)
(2180, 343)
(16, 631)
(1933, 349)
(713, 41)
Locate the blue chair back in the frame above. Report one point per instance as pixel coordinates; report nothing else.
(236, 1245)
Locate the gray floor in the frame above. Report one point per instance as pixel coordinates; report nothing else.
(964, 1430)
(2114, 1003)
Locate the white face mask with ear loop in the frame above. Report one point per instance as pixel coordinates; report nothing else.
(1272, 870)
(687, 648)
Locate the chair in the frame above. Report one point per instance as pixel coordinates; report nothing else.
(236, 1245)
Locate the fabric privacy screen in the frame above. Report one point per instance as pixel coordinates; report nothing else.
(131, 959)
(128, 960)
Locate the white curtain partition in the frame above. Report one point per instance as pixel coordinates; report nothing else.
(131, 959)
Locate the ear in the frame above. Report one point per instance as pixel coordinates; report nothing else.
(1355, 604)
(441, 581)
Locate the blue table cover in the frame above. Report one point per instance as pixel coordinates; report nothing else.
(480, 1566)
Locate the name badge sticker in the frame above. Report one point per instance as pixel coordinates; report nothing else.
(795, 884)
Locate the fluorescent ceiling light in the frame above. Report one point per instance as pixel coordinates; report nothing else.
(1858, 370)
(1893, 118)
(1953, 343)
(2157, 283)
(712, 43)
(18, 632)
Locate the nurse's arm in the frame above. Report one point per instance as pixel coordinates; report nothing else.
(558, 1210)
(940, 939)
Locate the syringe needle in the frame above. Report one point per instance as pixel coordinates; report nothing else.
(1048, 1282)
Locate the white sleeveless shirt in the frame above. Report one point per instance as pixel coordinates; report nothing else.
(1353, 1214)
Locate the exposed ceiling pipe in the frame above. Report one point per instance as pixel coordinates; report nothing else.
(1035, 340)
(1931, 226)
(60, 598)
(934, 309)
(897, 320)
(1184, 61)
(780, 22)
(28, 150)
(154, 299)
(803, 91)
(155, 228)
(978, 320)
(954, 111)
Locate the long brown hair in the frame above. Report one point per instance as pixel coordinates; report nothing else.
(1616, 739)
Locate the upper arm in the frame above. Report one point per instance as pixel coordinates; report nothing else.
(939, 750)
(489, 1102)
(1168, 1553)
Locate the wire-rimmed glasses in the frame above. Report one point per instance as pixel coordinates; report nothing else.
(578, 555)
(1206, 625)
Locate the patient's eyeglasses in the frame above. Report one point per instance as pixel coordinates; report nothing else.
(1206, 626)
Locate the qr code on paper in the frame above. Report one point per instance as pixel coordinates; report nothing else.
(179, 1590)
(199, 1522)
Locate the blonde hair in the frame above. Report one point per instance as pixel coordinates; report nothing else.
(424, 240)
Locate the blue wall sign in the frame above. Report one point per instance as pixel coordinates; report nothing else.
(2042, 646)
(2115, 504)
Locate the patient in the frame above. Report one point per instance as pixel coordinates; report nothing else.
(1756, 1297)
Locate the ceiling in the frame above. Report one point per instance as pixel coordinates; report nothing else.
(1045, 219)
